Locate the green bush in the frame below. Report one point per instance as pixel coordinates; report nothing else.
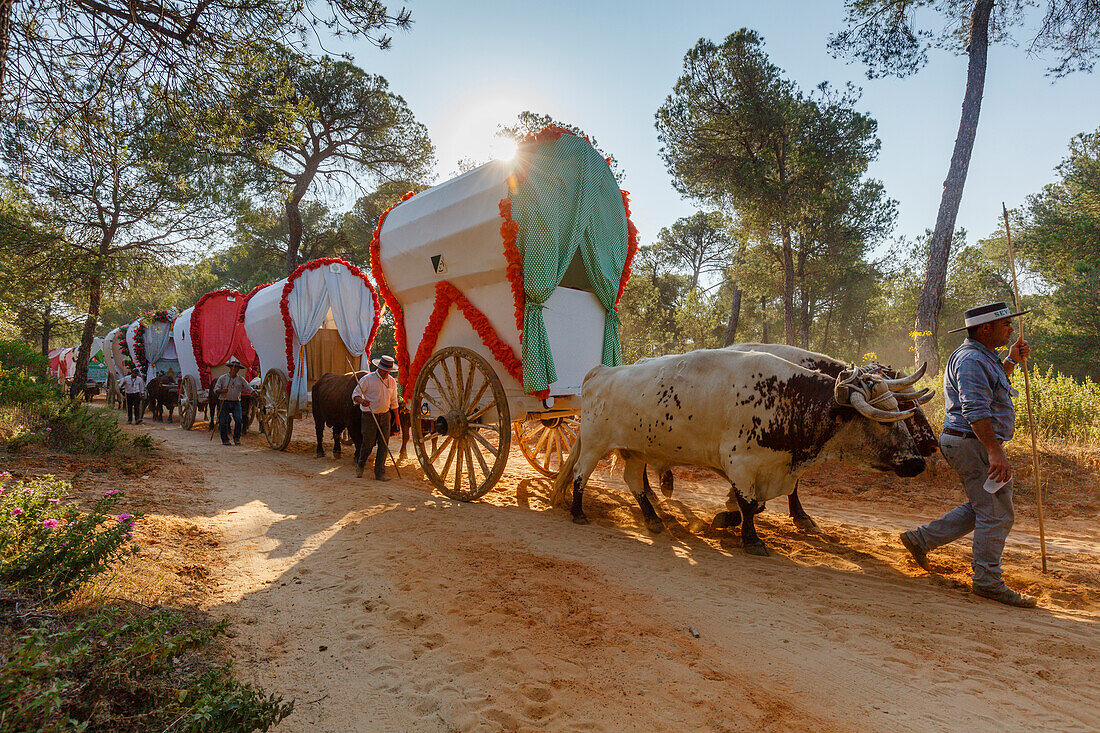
(49, 548)
(100, 672)
(1063, 407)
(41, 413)
(16, 356)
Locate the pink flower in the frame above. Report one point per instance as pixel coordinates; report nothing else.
(123, 517)
(109, 492)
(47, 430)
(127, 536)
(49, 523)
(16, 512)
(5, 474)
(53, 500)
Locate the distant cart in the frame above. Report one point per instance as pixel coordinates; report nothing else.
(152, 348)
(504, 284)
(115, 356)
(322, 319)
(207, 335)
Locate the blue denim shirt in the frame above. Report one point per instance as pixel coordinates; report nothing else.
(976, 387)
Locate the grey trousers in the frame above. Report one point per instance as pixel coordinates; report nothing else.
(989, 516)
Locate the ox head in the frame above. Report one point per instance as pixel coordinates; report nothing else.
(874, 431)
(909, 397)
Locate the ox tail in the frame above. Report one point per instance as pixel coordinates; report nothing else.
(560, 495)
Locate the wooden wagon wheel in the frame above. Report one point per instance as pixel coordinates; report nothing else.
(189, 402)
(277, 423)
(546, 443)
(466, 452)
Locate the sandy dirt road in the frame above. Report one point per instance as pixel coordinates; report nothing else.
(385, 607)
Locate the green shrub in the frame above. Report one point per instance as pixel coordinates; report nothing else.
(1063, 407)
(49, 418)
(16, 356)
(102, 672)
(16, 388)
(144, 441)
(49, 548)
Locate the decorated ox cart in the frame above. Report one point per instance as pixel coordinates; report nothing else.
(116, 354)
(98, 372)
(504, 284)
(322, 318)
(207, 335)
(151, 345)
(61, 363)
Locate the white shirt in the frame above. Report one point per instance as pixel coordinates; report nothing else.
(133, 385)
(379, 395)
(233, 386)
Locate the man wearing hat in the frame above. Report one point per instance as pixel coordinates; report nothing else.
(229, 389)
(376, 395)
(980, 419)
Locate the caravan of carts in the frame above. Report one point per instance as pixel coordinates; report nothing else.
(502, 283)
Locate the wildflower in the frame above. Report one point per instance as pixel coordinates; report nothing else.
(53, 500)
(16, 512)
(5, 474)
(49, 523)
(123, 517)
(109, 492)
(47, 430)
(127, 535)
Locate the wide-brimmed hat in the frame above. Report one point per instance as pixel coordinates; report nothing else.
(986, 313)
(385, 363)
(234, 363)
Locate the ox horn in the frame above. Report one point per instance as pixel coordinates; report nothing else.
(903, 382)
(860, 403)
(912, 395)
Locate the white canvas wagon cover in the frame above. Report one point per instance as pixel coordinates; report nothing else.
(282, 318)
(533, 253)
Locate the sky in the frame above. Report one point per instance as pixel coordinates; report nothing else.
(607, 67)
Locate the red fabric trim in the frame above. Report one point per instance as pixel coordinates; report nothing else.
(399, 335)
(509, 230)
(631, 248)
(288, 325)
(447, 294)
(139, 347)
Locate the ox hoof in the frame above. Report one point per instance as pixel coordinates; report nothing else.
(725, 520)
(655, 526)
(320, 454)
(757, 548)
(580, 519)
(806, 524)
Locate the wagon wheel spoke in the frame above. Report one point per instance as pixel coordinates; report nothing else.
(480, 458)
(482, 411)
(438, 406)
(469, 385)
(469, 463)
(471, 404)
(456, 397)
(462, 387)
(443, 394)
(458, 468)
(450, 457)
(481, 439)
(436, 451)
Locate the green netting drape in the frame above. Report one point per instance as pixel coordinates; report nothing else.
(569, 201)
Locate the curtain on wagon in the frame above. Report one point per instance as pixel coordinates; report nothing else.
(569, 201)
(315, 292)
(157, 337)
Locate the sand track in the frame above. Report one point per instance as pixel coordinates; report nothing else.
(385, 607)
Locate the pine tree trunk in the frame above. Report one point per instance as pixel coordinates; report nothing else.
(735, 314)
(46, 323)
(804, 317)
(6, 7)
(80, 374)
(294, 217)
(935, 277)
(790, 333)
(764, 320)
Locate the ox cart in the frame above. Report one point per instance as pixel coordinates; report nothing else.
(322, 319)
(115, 356)
(153, 348)
(504, 284)
(207, 336)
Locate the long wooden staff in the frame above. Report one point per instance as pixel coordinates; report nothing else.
(1027, 393)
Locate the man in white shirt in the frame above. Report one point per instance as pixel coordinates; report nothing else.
(134, 388)
(376, 395)
(228, 389)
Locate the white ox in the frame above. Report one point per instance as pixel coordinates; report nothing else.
(756, 419)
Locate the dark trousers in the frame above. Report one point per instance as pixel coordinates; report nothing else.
(373, 438)
(227, 408)
(134, 408)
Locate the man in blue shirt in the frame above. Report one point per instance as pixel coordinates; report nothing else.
(980, 419)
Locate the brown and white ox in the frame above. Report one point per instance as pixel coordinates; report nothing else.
(919, 428)
(753, 418)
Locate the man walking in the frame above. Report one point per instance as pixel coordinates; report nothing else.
(134, 388)
(980, 419)
(376, 395)
(228, 389)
